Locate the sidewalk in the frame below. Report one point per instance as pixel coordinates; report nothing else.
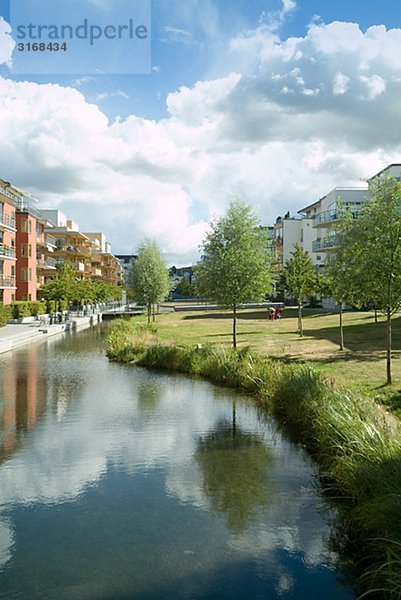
(14, 336)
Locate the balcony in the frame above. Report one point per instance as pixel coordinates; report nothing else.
(7, 251)
(48, 263)
(7, 282)
(96, 272)
(26, 207)
(50, 240)
(12, 197)
(331, 216)
(7, 222)
(324, 244)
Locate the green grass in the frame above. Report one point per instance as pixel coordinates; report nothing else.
(361, 365)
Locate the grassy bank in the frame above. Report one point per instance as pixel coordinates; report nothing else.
(355, 442)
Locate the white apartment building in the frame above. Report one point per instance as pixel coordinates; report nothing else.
(325, 214)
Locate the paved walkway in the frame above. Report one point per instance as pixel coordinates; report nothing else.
(14, 336)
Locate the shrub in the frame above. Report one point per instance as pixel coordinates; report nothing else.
(5, 314)
(27, 309)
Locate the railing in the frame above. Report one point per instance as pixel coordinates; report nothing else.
(7, 251)
(333, 215)
(48, 263)
(324, 244)
(49, 239)
(7, 221)
(25, 206)
(12, 197)
(7, 282)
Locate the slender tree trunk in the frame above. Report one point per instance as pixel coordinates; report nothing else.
(149, 312)
(300, 325)
(154, 313)
(388, 365)
(234, 326)
(341, 327)
(234, 417)
(375, 315)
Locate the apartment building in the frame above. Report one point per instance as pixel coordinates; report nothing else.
(105, 265)
(8, 232)
(288, 231)
(70, 244)
(34, 241)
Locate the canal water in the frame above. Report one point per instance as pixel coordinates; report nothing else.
(117, 483)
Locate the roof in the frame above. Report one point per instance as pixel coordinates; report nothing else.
(385, 169)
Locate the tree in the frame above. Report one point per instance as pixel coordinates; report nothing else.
(235, 266)
(300, 279)
(338, 279)
(60, 290)
(148, 277)
(372, 247)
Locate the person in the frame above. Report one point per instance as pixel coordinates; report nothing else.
(277, 313)
(271, 313)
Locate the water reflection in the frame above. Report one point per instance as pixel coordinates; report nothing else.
(146, 485)
(235, 468)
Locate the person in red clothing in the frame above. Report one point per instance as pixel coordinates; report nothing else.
(277, 313)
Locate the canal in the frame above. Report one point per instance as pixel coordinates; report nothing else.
(117, 483)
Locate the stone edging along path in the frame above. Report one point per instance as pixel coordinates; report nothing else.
(15, 336)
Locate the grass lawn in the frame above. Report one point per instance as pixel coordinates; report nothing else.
(362, 363)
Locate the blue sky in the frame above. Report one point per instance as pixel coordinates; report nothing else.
(185, 58)
(274, 100)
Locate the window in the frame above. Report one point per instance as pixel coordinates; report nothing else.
(26, 250)
(26, 226)
(1, 267)
(12, 271)
(26, 274)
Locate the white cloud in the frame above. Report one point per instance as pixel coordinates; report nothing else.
(7, 44)
(340, 84)
(317, 111)
(376, 85)
(107, 95)
(173, 34)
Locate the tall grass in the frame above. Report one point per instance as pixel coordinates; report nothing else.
(355, 442)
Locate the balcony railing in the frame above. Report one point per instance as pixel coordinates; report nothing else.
(50, 240)
(48, 263)
(27, 207)
(7, 193)
(324, 244)
(7, 251)
(332, 215)
(7, 282)
(7, 221)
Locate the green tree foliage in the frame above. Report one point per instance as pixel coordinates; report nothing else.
(300, 279)
(235, 266)
(149, 278)
(372, 248)
(338, 277)
(60, 290)
(185, 289)
(65, 288)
